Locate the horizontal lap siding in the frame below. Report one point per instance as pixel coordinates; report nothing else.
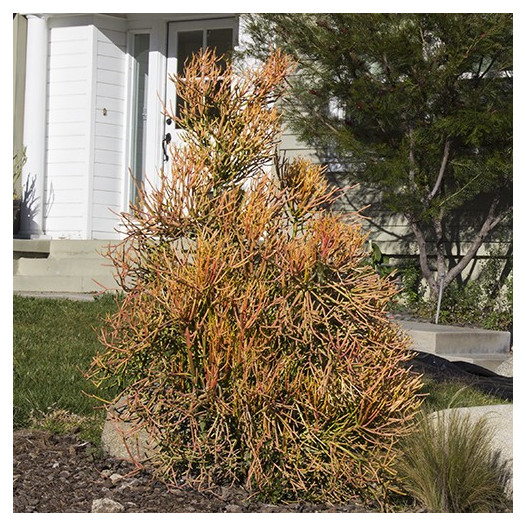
(67, 140)
(289, 147)
(86, 132)
(390, 231)
(109, 164)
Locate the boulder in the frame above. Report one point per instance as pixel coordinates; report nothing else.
(506, 368)
(122, 437)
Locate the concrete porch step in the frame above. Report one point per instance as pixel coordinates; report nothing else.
(60, 247)
(61, 265)
(479, 346)
(63, 283)
(66, 266)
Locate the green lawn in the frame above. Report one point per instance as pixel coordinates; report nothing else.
(453, 393)
(54, 341)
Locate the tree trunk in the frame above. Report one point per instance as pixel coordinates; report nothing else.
(491, 221)
(433, 279)
(423, 257)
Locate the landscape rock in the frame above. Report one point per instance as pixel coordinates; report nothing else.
(115, 477)
(106, 505)
(121, 438)
(506, 368)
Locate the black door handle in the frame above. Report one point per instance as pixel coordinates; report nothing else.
(166, 141)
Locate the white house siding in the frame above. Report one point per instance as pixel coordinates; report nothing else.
(67, 140)
(109, 149)
(86, 132)
(290, 147)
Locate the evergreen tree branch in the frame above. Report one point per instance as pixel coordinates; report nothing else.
(315, 112)
(440, 177)
(452, 196)
(491, 221)
(485, 72)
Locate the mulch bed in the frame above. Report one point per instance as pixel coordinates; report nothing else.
(62, 474)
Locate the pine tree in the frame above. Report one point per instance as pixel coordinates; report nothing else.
(418, 106)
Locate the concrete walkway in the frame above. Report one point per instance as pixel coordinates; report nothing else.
(57, 295)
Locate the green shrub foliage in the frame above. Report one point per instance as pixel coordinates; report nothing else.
(252, 340)
(485, 301)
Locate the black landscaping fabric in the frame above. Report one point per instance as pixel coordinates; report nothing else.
(442, 370)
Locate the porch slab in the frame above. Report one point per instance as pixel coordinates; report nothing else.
(458, 342)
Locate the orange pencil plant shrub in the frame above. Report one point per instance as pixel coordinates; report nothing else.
(252, 339)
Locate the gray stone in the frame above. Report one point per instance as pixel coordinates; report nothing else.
(506, 368)
(106, 505)
(121, 437)
(128, 483)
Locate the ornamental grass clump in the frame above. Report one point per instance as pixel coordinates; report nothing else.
(252, 339)
(449, 466)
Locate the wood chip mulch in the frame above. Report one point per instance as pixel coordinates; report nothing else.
(63, 474)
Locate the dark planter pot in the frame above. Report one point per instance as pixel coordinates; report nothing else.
(17, 203)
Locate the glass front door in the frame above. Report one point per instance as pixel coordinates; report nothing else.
(185, 39)
(141, 50)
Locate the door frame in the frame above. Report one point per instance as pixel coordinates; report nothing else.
(157, 29)
(162, 61)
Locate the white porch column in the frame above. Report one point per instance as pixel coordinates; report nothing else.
(33, 175)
